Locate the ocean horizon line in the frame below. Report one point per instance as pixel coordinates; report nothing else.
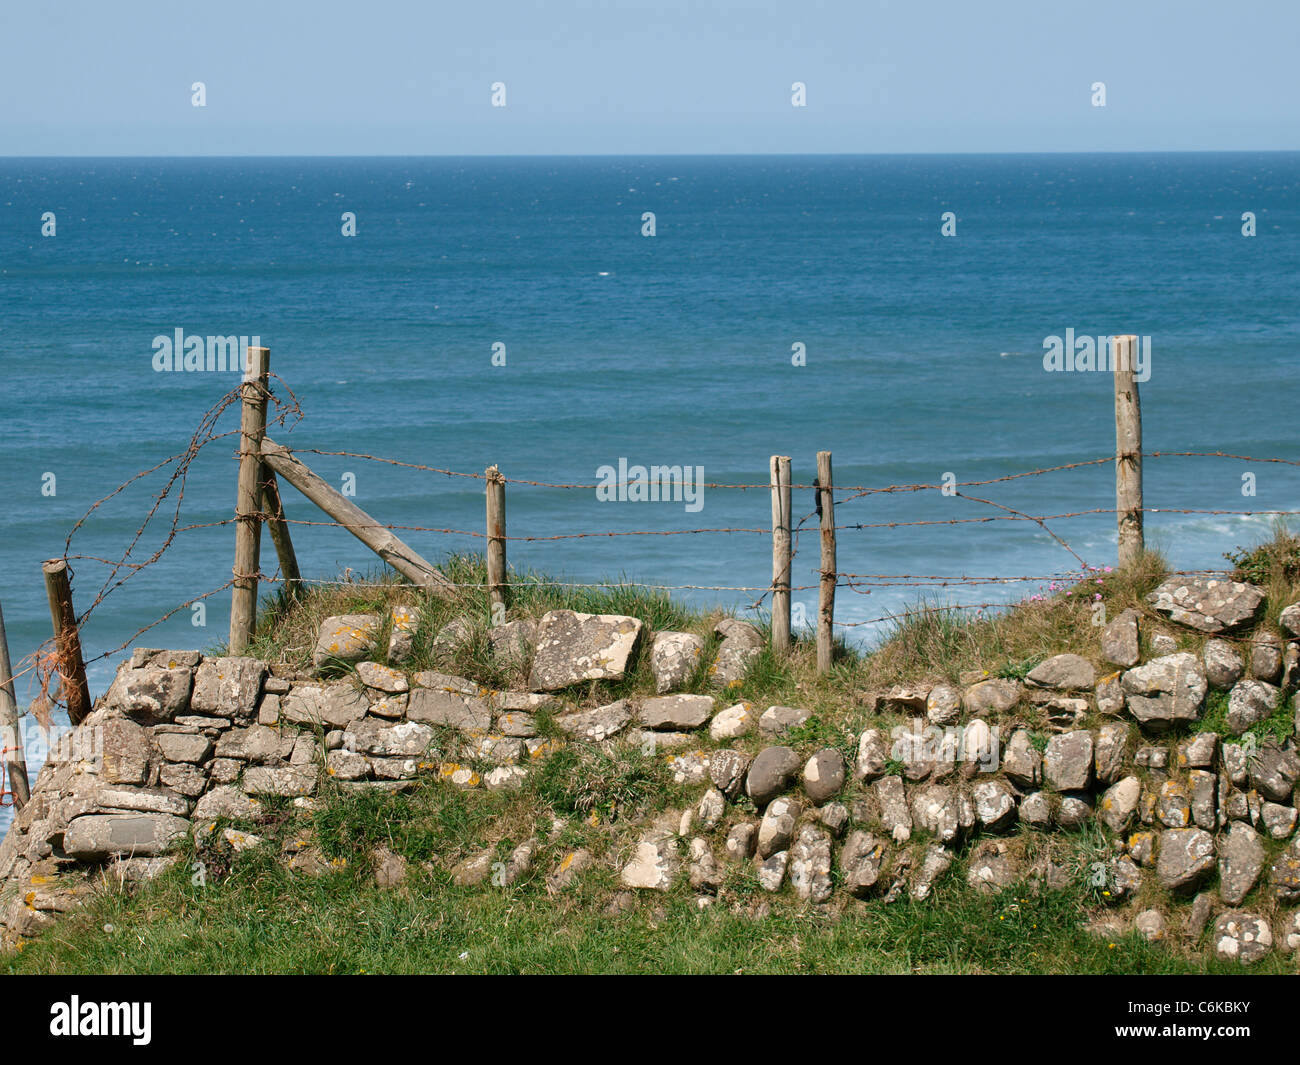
(678, 155)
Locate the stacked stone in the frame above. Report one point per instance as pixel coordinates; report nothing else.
(1181, 806)
(181, 742)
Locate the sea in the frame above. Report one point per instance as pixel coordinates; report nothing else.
(558, 316)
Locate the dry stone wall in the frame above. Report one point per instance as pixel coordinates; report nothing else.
(1200, 826)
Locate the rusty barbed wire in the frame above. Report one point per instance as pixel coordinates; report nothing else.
(741, 486)
(1015, 516)
(203, 436)
(154, 624)
(124, 567)
(860, 490)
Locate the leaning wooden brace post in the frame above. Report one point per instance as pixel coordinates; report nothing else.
(360, 524)
(780, 471)
(496, 543)
(248, 524)
(72, 670)
(15, 758)
(826, 590)
(1128, 449)
(272, 508)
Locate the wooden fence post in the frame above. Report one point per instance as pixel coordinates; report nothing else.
(826, 590)
(496, 542)
(1128, 449)
(66, 639)
(272, 507)
(248, 525)
(780, 470)
(15, 757)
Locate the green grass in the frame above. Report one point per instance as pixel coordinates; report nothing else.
(619, 783)
(260, 918)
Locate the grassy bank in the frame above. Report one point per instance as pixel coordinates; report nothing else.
(247, 912)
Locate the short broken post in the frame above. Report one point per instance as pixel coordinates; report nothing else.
(780, 472)
(248, 514)
(826, 589)
(67, 641)
(496, 544)
(1128, 449)
(15, 757)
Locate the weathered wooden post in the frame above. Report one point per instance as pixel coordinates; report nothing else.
(72, 669)
(1128, 449)
(826, 590)
(780, 471)
(272, 507)
(15, 757)
(496, 543)
(248, 525)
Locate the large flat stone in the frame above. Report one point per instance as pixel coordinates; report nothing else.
(325, 705)
(369, 736)
(449, 709)
(258, 743)
(228, 687)
(289, 780)
(674, 712)
(598, 724)
(151, 694)
(99, 836)
(193, 747)
(112, 798)
(573, 647)
(1208, 604)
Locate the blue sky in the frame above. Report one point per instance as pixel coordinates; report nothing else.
(399, 77)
